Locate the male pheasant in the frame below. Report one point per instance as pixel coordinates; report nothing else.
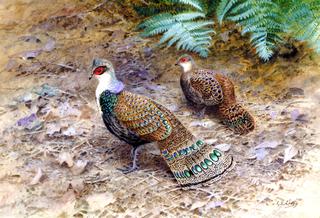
(208, 88)
(137, 120)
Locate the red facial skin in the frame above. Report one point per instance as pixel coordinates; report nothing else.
(183, 60)
(99, 70)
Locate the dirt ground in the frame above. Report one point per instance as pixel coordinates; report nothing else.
(58, 160)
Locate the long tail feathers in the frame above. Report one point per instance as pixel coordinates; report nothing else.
(237, 118)
(199, 163)
(191, 160)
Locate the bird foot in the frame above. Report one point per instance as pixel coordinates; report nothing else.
(128, 169)
(134, 167)
(200, 114)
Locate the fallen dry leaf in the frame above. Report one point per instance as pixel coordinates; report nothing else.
(77, 185)
(198, 204)
(53, 128)
(261, 153)
(214, 204)
(273, 114)
(27, 55)
(205, 124)
(210, 141)
(65, 157)
(37, 178)
(100, 200)
(70, 131)
(295, 114)
(223, 147)
(268, 144)
(289, 153)
(79, 167)
(50, 45)
(65, 109)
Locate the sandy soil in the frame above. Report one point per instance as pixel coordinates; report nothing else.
(58, 160)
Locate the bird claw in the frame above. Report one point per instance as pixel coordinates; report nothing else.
(128, 169)
(200, 114)
(134, 167)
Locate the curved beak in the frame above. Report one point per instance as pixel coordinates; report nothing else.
(177, 63)
(90, 77)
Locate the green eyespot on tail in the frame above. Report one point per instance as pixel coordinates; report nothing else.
(198, 164)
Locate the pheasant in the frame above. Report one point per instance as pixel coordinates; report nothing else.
(138, 120)
(209, 88)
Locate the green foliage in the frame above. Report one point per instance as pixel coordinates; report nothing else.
(187, 29)
(261, 18)
(304, 21)
(156, 7)
(189, 23)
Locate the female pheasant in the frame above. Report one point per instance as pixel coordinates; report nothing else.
(137, 120)
(211, 88)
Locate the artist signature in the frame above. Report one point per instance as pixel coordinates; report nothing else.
(287, 203)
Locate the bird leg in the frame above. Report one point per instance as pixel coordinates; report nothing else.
(200, 113)
(134, 166)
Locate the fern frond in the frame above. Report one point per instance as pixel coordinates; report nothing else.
(224, 7)
(185, 22)
(260, 18)
(191, 15)
(211, 7)
(304, 19)
(187, 30)
(156, 8)
(193, 3)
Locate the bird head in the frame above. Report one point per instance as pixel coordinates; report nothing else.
(186, 62)
(101, 69)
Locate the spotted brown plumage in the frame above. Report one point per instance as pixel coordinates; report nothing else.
(209, 88)
(137, 120)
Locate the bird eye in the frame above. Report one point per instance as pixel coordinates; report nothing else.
(183, 60)
(99, 70)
